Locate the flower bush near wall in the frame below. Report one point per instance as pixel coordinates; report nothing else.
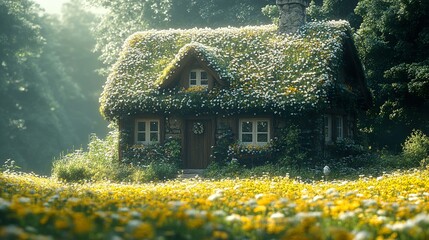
(157, 161)
(291, 148)
(251, 155)
(287, 150)
(266, 72)
(346, 153)
(143, 155)
(231, 153)
(220, 153)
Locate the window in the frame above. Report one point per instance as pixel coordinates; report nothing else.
(198, 77)
(147, 131)
(328, 128)
(254, 131)
(339, 127)
(334, 127)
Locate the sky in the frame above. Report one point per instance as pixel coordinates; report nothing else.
(51, 6)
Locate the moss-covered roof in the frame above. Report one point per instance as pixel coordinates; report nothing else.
(265, 71)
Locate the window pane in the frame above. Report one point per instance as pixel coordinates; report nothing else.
(204, 82)
(263, 126)
(246, 138)
(204, 75)
(141, 126)
(246, 126)
(154, 126)
(154, 137)
(193, 82)
(262, 137)
(193, 75)
(339, 123)
(141, 137)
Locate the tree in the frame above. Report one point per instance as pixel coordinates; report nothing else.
(217, 13)
(19, 39)
(125, 17)
(393, 41)
(334, 10)
(33, 126)
(75, 50)
(48, 85)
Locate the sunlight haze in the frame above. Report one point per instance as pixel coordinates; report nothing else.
(51, 6)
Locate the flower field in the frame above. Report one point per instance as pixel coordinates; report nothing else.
(393, 206)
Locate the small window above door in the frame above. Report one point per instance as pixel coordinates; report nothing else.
(198, 77)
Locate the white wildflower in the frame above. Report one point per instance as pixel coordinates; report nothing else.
(24, 200)
(233, 218)
(214, 197)
(277, 215)
(362, 235)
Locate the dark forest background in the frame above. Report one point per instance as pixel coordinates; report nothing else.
(52, 67)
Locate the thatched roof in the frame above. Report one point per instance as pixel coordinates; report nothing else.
(259, 71)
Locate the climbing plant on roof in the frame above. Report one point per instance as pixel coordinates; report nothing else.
(266, 72)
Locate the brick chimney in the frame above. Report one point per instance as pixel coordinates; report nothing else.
(292, 15)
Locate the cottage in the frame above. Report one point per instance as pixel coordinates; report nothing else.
(194, 85)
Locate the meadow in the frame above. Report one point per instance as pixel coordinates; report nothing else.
(391, 206)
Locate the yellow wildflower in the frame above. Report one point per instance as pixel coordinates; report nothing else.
(340, 234)
(260, 209)
(81, 223)
(61, 224)
(194, 222)
(220, 235)
(144, 231)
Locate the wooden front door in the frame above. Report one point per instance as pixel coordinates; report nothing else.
(198, 142)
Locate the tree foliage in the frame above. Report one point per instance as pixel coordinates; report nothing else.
(43, 108)
(393, 39)
(31, 81)
(334, 10)
(75, 49)
(394, 45)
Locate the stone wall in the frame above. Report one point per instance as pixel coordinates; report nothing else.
(292, 15)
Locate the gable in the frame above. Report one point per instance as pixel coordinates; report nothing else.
(194, 56)
(263, 71)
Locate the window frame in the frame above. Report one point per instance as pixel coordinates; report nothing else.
(255, 131)
(147, 131)
(339, 127)
(198, 79)
(327, 124)
(334, 127)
